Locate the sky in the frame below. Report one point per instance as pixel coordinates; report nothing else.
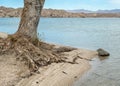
(69, 4)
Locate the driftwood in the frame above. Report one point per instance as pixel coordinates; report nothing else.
(79, 57)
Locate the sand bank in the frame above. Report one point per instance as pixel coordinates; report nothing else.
(61, 74)
(13, 72)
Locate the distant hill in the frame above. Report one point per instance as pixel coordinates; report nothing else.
(12, 12)
(98, 11)
(109, 11)
(80, 11)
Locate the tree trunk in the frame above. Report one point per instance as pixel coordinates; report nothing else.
(30, 18)
(24, 44)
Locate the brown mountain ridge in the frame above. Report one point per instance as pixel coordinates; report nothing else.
(54, 13)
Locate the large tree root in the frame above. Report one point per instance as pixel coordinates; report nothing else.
(33, 53)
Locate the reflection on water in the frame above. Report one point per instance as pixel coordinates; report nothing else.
(90, 33)
(103, 57)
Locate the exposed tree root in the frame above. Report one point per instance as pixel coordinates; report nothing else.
(33, 53)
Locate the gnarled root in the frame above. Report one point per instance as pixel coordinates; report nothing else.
(33, 53)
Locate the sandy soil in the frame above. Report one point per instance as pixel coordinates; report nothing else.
(11, 70)
(16, 73)
(13, 73)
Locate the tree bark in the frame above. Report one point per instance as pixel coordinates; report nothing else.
(30, 18)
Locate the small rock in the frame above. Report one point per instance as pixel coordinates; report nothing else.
(37, 82)
(102, 52)
(3, 35)
(64, 72)
(75, 77)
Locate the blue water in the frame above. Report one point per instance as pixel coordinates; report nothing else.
(89, 33)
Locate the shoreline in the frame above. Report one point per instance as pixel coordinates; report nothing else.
(55, 74)
(61, 74)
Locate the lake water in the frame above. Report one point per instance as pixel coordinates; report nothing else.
(89, 33)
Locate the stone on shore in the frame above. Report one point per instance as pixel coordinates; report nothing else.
(102, 52)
